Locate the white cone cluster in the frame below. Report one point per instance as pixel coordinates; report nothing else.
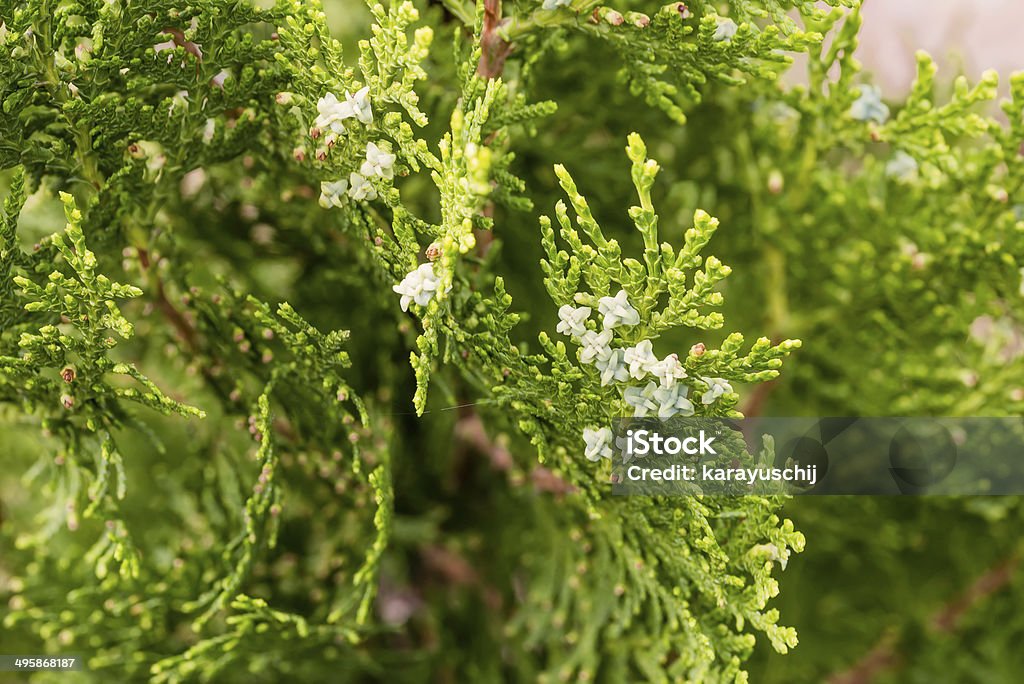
(419, 286)
(332, 113)
(379, 161)
(663, 396)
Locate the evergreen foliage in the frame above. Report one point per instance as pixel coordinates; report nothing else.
(286, 396)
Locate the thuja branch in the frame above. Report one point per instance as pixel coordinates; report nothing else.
(242, 154)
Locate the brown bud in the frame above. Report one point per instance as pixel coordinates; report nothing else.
(67, 400)
(68, 375)
(612, 17)
(433, 251)
(698, 349)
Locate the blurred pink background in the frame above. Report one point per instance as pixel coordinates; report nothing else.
(963, 36)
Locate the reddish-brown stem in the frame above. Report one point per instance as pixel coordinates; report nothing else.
(494, 48)
(997, 577)
(470, 430)
(884, 656)
(755, 403)
(185, 329)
